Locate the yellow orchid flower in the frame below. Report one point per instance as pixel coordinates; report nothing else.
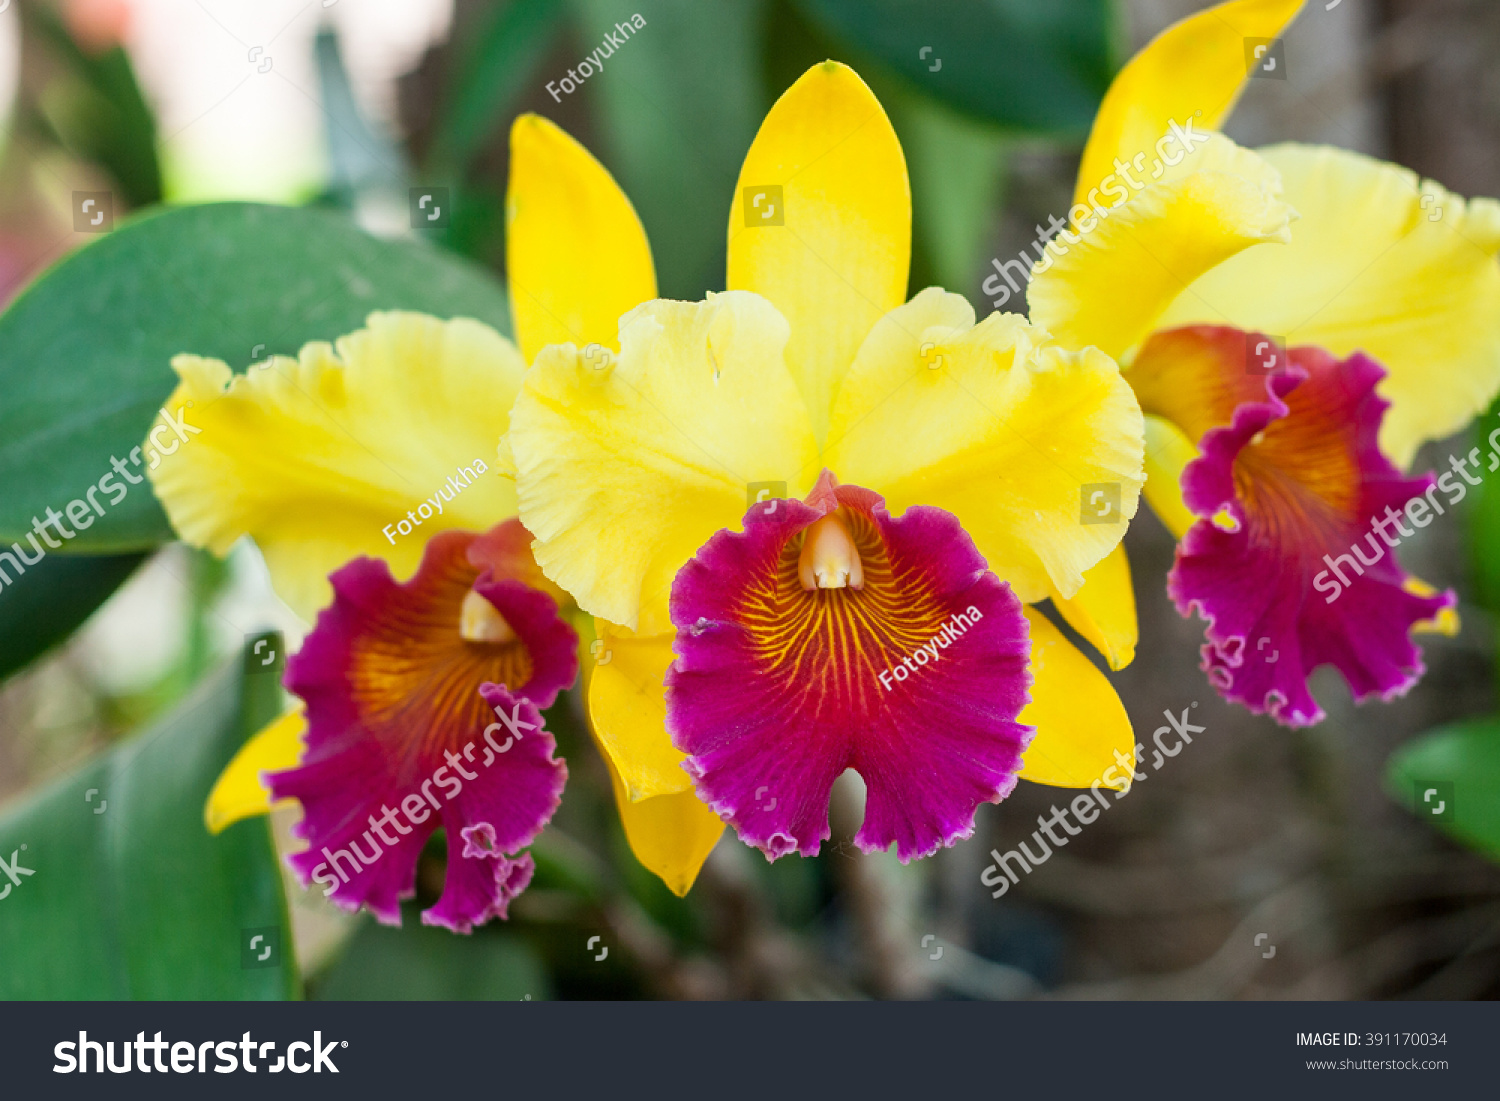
(1285, 388)
(808, 515)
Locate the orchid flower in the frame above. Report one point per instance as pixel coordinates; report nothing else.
(1286, 388)
(939, 475)
(363, 471)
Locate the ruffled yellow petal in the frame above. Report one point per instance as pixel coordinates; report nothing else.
(1080, 722)
(626, 467)
(1192, 71)
(1168, 451)
(576, 256)
(1009, 434)
(834, 255)
(672, 835)
(1109, 285)
(1380, 262)
(1103, 611)
(320, 458)
(238, 792)
(628, 710)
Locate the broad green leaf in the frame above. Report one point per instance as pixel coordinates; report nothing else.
(680, 101)
(1450, 778)
(85, 352)
(421, 963)
(129, 897)
(1031, 67)
(43, 606)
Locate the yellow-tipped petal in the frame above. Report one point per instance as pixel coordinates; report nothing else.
(1109, 285)
(576, 256)
(628, 709)
(835, 254)
(320, 458)
(1080, 721)
(1192, 71)
(1009, 434)
(1168, 451)
(626, 468)
(1103, 611)
(1446, 622)
(1379, 262)
(238, 792)
(671, 835)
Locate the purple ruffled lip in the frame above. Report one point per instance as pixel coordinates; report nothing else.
(408, 730)
(776, 690)
(1260, 576)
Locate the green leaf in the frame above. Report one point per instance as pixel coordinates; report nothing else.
(100, 113)
(421, 963)
(1450, 778)
(85, 352)
(957, 167)
(1032, 67)
(680, 101)
(43, 606)
(129, 896)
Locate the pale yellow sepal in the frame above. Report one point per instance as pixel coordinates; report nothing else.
(997, 426)
(626, 466)
(1446, 622)
(1079, 719)
(834, 255)
(628, 709)
(1103, 611)
(1381, 262)
(238, 793)
(1193, 71)
(576, 255)
(321, 458)
(1168, 451)
(671, 835)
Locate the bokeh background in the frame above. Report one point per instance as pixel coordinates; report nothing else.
(1308, 837)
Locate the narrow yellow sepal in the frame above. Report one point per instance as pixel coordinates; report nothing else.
(1168, 451)
(238, 793)
(1081, 725)
(576, 254)
(1192, 72)
(671, 835)
(1103, 611)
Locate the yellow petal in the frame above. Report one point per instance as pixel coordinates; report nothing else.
(320, 458)
(1007, 433)
(834, 257)
(1168, 451)
(1379, 262)
(1194, 70)
(1103, 611)
(576, 256)
(628, 710)
(1109, 285)
(672, 835)
(1080, 721)
(626, 467)
(1446, 622)
(238, 792)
